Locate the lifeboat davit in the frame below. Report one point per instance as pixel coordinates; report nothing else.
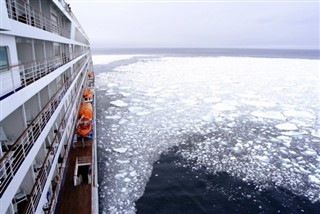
(85, 123)
(87, 94)
(90, 74)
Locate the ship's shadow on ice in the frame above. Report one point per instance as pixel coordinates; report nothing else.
(176, 186)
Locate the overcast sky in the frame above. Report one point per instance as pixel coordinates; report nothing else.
(199, 24)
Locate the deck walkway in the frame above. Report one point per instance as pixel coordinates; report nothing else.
(75, 199)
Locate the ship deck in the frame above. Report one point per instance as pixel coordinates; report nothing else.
(76, 199)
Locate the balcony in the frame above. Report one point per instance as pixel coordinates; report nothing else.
(42, 177)
(22, 12)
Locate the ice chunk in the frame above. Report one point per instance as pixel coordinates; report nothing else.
(120, 150)
(223, 107)
(263, 158)
(160, 100)
(207, 118)
(258, 103)
(125, 94)
(287, 126)
(127, 180)
(310, 152)
(300, 114)
(212, 100)
(143, 113)
(118, 176)
(113, 117)
(133, 173)
(269, 115)
(135, 109)
(123, 161)
(316, 133)
(314, 179)
(110, 85)
(123, 121)
(119, 103)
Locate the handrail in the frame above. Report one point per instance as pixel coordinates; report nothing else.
(23, 12)
(55, 195)
(12, 159)
(35, 70)
(47, 164)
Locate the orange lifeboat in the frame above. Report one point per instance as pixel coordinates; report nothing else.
(87, 94)
(85, 123)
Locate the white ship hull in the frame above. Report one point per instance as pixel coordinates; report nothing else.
(45, 59)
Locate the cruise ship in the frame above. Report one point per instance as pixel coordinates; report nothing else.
(47, 110)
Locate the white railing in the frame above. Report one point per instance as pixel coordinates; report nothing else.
(33, 71)
(61, 173)
(42, 177)
(23, 12)
(13, 158)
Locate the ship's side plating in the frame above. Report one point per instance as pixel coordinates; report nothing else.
(44, 60)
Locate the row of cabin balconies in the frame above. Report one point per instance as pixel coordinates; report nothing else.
(14, 156)
(32, 71)
(34, 14)
(38, 187)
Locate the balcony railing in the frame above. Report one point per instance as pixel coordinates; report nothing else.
(37, 190)
(33, 71)
(55, 193)
(13, 158)
(23, 12)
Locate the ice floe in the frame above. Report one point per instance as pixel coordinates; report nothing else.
(299, 114)
(223, 107)
(119, 103)
(316, 133)
(269, 115)
(314, 179)
(287, 126)
(120, 150)
(258, 103)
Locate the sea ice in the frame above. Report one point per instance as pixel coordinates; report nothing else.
(119, 103)
(212, 100)
(223, 107)
(316, 133)
(287, 126)
(310, 152)
(125, 94)
(127, 180)
(123, 161)
(120, 150)
(263, 158)
(314, 179)
(258, 103)
(143, 113)
(135, 109)
(113, 117)
(206, 106)
(133, 173)
(269, 115)
(299, 114)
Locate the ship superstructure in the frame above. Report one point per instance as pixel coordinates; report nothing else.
(45, 66)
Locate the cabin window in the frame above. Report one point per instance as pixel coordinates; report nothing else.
(4, 60)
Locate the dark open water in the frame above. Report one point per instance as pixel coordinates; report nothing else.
(177, 187)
